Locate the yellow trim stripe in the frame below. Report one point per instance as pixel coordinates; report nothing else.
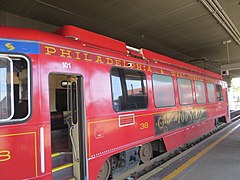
(6, 135)
(56, 154)
(195, 158)
(148, 114)
(36, 159)
(62, 167)
(35, 146)
(89, 141)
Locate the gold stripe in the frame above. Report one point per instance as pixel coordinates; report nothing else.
(140, 115)
(36, 162)
(62, 167)
(56, 154)
(89, 142)
(195, 158)
(6, 135)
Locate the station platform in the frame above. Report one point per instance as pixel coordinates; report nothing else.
(215, 158)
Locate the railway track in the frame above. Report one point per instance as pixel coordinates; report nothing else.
(142, 171)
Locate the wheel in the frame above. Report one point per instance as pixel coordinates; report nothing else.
(145, 152)
(104, 171)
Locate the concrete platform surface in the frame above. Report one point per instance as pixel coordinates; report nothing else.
(216, 158)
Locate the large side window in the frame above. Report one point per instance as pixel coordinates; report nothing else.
(6, 89)
(200, 92)
(14, 88)
(185, 91)
(129, 89)
(211, 93)
(163, 90)
(219, 92)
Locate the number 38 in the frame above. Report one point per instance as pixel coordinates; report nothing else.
(144, 125)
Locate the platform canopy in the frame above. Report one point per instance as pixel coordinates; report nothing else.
(204, 33)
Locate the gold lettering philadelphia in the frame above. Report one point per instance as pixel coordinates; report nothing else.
(50, 50)
(109, 61)
(99, 59)
(77, 55)
(65, 53)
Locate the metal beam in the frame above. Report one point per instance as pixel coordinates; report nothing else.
(228, 67)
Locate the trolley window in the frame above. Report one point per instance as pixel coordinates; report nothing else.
(129, 90)
(163, 90)
(6, 89)
(14, 88)
(219, 92)
(211, 93)
(200, 92)
(185, 91)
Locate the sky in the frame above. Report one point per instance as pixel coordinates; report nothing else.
(236, 82)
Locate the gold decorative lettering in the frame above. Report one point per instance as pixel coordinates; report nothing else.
(5, 155)
(139, 66)
(109, 61)
(173, 73)
(50, 50)
(149, 69)
(77, 55)
(125, 64)
(132, 66)
(65, 53)
(118, 62)
(99, 59)
(86, 57)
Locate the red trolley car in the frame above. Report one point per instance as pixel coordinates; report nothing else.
(78, 104)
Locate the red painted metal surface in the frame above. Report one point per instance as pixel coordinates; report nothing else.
(106, 135)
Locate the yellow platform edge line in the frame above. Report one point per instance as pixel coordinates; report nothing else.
(200, 154)
(62, 167)
(56, 154)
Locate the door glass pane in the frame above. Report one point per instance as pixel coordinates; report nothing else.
(74, 103)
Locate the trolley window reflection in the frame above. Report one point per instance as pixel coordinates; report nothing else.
(14, 88)
(6, 89)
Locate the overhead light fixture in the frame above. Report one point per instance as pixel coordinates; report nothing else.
(227, 42)
(220, 15)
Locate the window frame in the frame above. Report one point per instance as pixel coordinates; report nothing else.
(154, 90)
(179, 92)
(14, 57)
(124, 87)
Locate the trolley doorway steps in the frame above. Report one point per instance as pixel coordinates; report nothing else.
(62, 166)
